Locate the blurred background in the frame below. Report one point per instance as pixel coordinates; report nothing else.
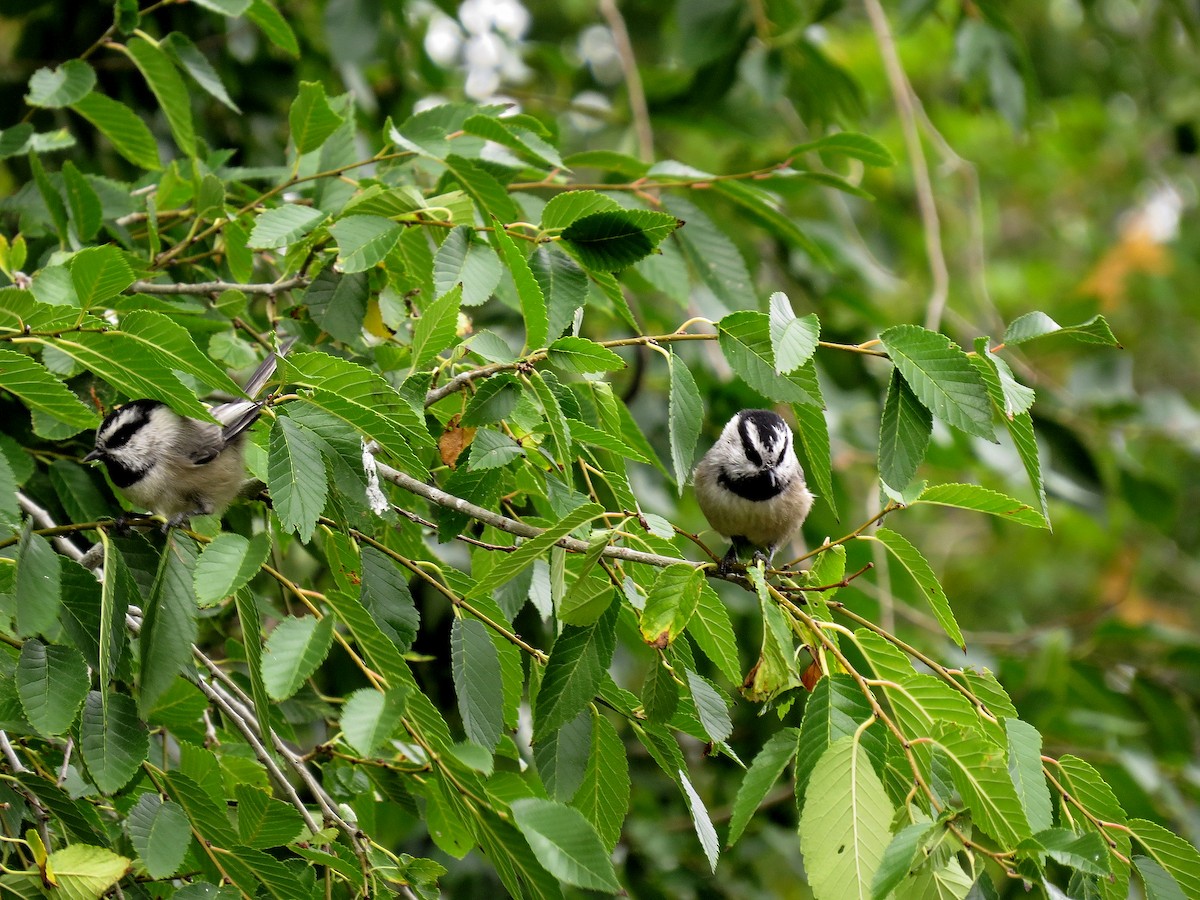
(1059, 143)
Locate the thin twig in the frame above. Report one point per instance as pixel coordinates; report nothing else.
(633, 79)
(216, 287)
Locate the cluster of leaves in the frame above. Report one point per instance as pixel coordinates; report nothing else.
(251, 707)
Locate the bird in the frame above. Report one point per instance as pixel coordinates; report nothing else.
(175, 466)
(750, 485)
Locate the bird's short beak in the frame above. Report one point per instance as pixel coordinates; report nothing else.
(93, 456)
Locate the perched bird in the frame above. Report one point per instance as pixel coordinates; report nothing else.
(176, 466)
(750, 485)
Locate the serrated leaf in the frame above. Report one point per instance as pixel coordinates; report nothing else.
(263, 821)
(570, 206)
(715, 259)
(835, 710)
(904, 432)
(603, 797)
(85, 872)
(283, 225)
(615, 239)
(578, 660)
(685, 411)
(672, 600)
(556, 421)
(160, 834)
(311, 119)
(491, 449)
(477, 681)
(941, 377)
(52, 682)
(61, 86)
(338, 301)
(370, 717)
(1025, 769)
(121, 125)
(981, 499)
(227, 564)
(264, 14)
(745, 339)
(113, 740)
(701, 821)
(434, 332)
(845, 825)
(581, 356)
(511, 564)
(794, 339)
(1157, 881)
(1086, 853)
(712, 630)
(711, 708)
(463, 259)
(564, 285)
(363, 241)
(489, 195)
(848, 143)
(208, 820)
(295, 650)
(1037, 324)
(494, 399)
(172, 344)
(196, 64)
(899, 857)
(912, 560)
(529, 292)
(504, 132)
(169, 624)
(295, 477)
(1177, 856)
(167, 86)
(99, 274)
(565, 843)
(767, 210)
(563, 758)
(764, 771)
(83, 202)
(38, 582)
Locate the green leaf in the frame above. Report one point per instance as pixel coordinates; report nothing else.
(38, 583)
(363, 241)
(264, 14)
(672, 600)
(296, 477)
(1084, 852)
(494, 399)
(227, 564)
(114, 742)
(435, 331)
(263, 821)
(712, 630)
(295, 650)
(371, 717)
(848, 143)
(505, 133)
(715, 259)
(607, 161)
(745, 339)
(475, 666)
(83, 202)
(85, 872)
(385, 595)
(283, 225)
(529, 292)
(1037, 324)
(793, 339)
(835, 710)
(188, 56)
(764, 771)
(556, 422)
(767, 210)
(981, 499)
(61, 86)
(570, 206)
(578, 660)
(845, 825)
(209, 820)
(899, 857)
(464, 259)
(172, 345)
(904, 432)
(615, 239)
(160, 834)
(121, 125)
(338, 303)
(169, 626)
(603, 797)
(1157, 881)
(491, 449)
(52, 682)
(941, 376)
(912, 560)
(1177, 856)
(711, 707)
(489, 195)
(564, 285)
(311, 118)
(701, 821)
(581, 356)
(168, 87)
(660, 694)
(512, 564)
(685, 412)
(1025, 768)
(566, 844)
(99, 274)
(229, 8)
(563, 757)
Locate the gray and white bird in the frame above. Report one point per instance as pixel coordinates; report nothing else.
(750, 485)
(179, 467)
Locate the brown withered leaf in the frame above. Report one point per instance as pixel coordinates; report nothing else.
(453, 441)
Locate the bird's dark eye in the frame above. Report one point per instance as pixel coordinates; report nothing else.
(122, 435)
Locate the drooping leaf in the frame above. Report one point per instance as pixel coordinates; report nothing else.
(99, 274)
(370, 717)
(578, 660)
(263, 821)
(712, 630)
(566, 844)
(563, 758)
(167, 85)
(295, 649)
(912, 560)
(764, 771)
(363, 241)
(701, 821)
(61, 86)
(311, 119)
(848, 143)
(113, 740)
(1037, 324)
(121, 125)
(670, 603)
(227, 564)
(296, 477)
(603, 796)
(904, 432)
(478, 681)
(615, 239)
(169, 626)
(52, 682)
(981, 499)
(685, 410)
(159, 832)
(464, 259)
(434, 332)
(1177, 856)
(529, 292)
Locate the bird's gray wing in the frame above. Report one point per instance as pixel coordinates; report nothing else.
(204, 442)
(235, 418)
